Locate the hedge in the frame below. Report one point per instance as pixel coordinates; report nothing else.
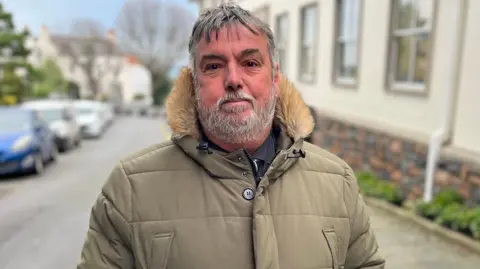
(447, 208)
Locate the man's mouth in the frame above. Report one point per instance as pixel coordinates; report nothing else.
(234, 101)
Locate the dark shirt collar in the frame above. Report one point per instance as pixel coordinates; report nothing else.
(265, 153)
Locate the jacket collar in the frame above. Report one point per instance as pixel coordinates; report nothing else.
(292, 118)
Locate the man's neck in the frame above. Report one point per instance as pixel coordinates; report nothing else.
(250, 146)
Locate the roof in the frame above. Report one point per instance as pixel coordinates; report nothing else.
(38, 104)
(102, 46)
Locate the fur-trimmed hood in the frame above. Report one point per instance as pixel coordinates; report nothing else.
(291, 111)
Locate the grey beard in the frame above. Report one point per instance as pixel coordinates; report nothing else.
(229, 128)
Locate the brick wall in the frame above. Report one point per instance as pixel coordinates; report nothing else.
(392, 158)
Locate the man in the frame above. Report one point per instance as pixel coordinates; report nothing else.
(236, 187)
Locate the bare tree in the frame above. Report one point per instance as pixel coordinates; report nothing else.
(92, 51)
(156, 32)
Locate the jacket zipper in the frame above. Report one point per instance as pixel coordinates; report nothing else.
(251, 166)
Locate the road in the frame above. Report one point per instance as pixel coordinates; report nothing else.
(44, 219)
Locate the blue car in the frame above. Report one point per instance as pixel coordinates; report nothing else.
(26, 142)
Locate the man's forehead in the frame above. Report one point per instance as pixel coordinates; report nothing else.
(231, 33)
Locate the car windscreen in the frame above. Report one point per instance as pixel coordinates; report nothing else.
(14, 121)
(50, 115)
(84, 111)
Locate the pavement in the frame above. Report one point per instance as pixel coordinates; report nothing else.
(406, 246)
(43, 219)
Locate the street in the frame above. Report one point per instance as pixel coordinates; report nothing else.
(44, 219)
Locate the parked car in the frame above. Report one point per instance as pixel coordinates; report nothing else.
(92, 116)
(26, 142)
(60, 115)
(109, 113)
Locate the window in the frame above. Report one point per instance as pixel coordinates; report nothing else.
(346, 41)
(308, 57)
(410, 44)
(281, 32)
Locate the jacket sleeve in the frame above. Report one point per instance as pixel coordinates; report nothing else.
(363, 250)
(107, 243)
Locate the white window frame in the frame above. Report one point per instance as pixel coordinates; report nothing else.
(310, 75)
(282, 41)
(343, 39)
(411, 86)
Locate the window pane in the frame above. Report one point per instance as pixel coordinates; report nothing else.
(424, 13)
(309, 25)
(307, 61)
(403, 52)
(421, 59)
(349, 18)
(282, 29)
(405, 10)
(309, 29)
(347, 60)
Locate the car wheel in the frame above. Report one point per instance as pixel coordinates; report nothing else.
(54, 153)
(38, 167)
(78, 141)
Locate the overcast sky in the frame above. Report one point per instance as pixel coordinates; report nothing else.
(58, 14)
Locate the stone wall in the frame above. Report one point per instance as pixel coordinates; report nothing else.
(392, 158)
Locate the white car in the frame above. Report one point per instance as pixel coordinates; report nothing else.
(92, 116)
(109, 113)
(60, 116)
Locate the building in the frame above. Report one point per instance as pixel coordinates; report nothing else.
(118, 74)
(390, 80)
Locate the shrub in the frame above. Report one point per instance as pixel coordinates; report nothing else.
(372, 186)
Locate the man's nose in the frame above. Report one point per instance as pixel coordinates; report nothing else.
(233, 80)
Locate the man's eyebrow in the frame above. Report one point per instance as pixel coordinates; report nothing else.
(212, 56)
(249, 52)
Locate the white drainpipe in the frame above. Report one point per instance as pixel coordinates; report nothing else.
(441, 134)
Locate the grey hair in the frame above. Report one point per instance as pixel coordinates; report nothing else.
(213, 19)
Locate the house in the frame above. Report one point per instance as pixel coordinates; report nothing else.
(116, 72)
(394, 83)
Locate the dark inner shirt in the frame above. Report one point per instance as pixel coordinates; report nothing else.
(261, 159)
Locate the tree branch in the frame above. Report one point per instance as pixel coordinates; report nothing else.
(155, 31)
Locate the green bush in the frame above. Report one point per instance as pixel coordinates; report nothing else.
(475, 225)
(429, 210)
(450, 214)
(440, 202)
(371, 185)
(448, 209)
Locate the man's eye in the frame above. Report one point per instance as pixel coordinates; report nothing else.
(251, 64)
(212, 66)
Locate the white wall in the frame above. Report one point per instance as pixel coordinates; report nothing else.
(44, 44)
(467, 121)
(370, 103)
(135, 79)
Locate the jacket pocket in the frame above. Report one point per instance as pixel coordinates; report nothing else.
(160, 251)
(331, 238)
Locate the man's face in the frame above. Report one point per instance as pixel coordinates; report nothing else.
(236, 92)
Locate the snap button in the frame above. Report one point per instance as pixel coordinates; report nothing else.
(244, 174)
(248, 194)
(240, 159)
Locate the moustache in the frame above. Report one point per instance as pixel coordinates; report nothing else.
(235, 97)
